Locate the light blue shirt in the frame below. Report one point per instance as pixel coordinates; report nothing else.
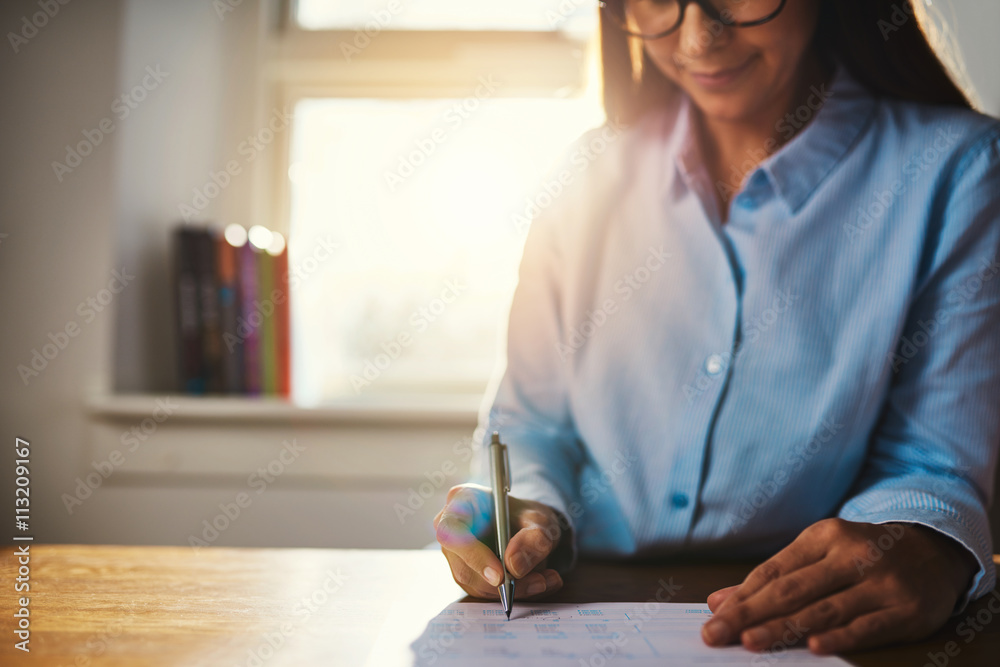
(676, 385)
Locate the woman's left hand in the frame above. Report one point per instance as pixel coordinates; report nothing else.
(844, 586)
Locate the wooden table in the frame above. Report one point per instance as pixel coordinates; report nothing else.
(135, 606)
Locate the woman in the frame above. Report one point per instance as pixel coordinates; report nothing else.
(762, 321)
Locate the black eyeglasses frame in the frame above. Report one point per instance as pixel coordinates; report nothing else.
(706, 6)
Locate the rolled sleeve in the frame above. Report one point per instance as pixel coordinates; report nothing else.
(933, 455)
(530, 408)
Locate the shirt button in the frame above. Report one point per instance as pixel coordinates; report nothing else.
(679, 500)
(714, 364)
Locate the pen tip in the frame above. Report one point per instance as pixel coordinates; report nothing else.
(508, 614)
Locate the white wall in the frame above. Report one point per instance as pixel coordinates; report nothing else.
(57, 252)
(64, 238)
(976, 24)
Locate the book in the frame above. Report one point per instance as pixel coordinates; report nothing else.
(250, 320)
(208, 311)
(265, 301)
(282, 320)
(229, 308)
(191, 378)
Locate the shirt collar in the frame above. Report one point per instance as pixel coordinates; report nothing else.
(834, 115)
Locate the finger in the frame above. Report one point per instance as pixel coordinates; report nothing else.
(800, 553)
(533, 586)
(470, 581)
(778, 598)
(553, 581)
(718, 597)
(471, 506)
(536, 537)
(526, 549)
(534, 517)
(537, 584)
(830, 612)
(877, 628)
(454, 535)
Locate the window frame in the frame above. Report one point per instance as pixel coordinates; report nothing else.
(301, 64)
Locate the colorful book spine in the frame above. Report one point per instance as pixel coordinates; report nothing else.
(208, 305)
(229, 307)
(232, 314)
(190, 371)
(250, 320)
(268, 349)
(282, 323)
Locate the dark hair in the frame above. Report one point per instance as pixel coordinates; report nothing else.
(890, 57)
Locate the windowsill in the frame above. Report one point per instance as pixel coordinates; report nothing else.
(396, 409)
(374, 439)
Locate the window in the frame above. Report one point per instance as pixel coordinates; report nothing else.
(421, 132)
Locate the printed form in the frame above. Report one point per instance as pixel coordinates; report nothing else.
(587, 635)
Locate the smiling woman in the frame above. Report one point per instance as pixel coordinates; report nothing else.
(812, 370)
(871, 38)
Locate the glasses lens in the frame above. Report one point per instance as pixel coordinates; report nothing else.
(652, 17)
(745, 11)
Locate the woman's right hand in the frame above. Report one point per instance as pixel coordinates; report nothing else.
(467, 519)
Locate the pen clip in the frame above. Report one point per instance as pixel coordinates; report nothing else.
(506, 469)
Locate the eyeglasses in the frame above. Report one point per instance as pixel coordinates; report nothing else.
(652, 19)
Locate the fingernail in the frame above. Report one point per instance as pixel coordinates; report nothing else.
(757, 637)
(716, 632)
(492, 576)
(535, 587)
(520, 564)
(551, 580)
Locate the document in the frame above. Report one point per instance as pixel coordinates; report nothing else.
(599, 634)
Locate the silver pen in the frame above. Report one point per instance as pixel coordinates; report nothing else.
(500, 468)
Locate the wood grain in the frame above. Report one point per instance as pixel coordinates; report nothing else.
(137, 606)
